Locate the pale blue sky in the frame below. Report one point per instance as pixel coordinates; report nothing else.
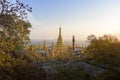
(77, 17)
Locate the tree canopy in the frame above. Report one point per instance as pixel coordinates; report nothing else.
(14, 27)
(14, 33)
(105, 50)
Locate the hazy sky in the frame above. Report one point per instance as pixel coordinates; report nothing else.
(77, 17)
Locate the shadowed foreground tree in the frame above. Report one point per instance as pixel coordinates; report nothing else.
(14, 27)
(10, 7)
(14, 33)
(18, 69)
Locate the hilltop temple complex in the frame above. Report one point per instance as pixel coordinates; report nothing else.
(60, 49)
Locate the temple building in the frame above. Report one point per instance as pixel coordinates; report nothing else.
(59, 48)
(45, 47)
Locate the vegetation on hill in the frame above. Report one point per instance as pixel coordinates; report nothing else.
(20, 62)
(14, 34)
(14, 27)
(105, 52)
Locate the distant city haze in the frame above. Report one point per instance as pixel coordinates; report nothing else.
(77, 17)
(66, 42)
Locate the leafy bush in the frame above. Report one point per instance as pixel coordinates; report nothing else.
(18, 69)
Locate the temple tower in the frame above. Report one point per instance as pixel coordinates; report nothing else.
(59, 48)
(45, 46)
(59, 40)
(73, 43)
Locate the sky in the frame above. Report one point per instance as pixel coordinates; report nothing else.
(77, 17)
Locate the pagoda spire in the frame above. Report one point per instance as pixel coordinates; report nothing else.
(59, 49)
(45, 46)
(59, 40)
(60, 36)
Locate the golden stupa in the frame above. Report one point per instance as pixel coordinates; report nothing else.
(59, 48)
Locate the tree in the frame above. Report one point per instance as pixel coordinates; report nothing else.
(18, 69)
(91, 37)
(106, 54)
(14, 27)
(110, 74)
(105, 50)
(14, 33)
(10, 7)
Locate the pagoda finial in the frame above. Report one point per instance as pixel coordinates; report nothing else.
(60, 30)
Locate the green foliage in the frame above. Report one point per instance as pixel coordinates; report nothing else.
(105, 50)
(68, 73)
(14, 29)
(18, 69)
(14, 34)
(109, 74)
(9, 7)
(32, 54)
(91, 37)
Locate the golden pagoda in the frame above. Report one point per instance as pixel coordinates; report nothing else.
(59, 40)
(60, 47)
